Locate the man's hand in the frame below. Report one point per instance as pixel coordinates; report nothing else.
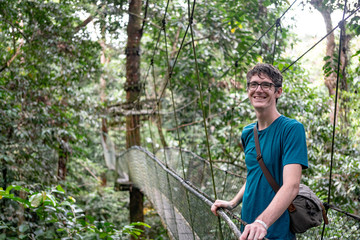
(254, 231)
(221, 203)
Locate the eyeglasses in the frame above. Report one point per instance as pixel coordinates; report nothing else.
(266, 86)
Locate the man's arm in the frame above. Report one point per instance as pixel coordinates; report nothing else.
(281, 201)
(229, 204)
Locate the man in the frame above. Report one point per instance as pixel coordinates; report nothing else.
(283, 147)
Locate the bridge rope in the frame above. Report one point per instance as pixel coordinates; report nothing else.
(170, 69)
(342, 33)
(201, 101)
(151, 66)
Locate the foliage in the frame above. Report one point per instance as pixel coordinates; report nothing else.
(50, 105)
(56, 216)
(40, 102)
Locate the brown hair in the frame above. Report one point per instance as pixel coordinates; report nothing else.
(266, 69)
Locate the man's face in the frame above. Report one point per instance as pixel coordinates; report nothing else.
(261, 92)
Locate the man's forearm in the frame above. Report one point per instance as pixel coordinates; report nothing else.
(285, 195)
(279, 204)
(238, 198)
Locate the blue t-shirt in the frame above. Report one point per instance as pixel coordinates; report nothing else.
(282, 143)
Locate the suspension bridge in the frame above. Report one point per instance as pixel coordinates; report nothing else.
(182, 185)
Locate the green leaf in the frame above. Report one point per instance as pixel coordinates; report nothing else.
(90, 218)
(52, 199)
(102, 235)
(35, 199)
(140, 224)
(51, 208)
(65, 203)
(44, 195)
(23, 228)
(72, 199)
(60, 189)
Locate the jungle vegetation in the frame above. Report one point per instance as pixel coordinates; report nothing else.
(65, 82)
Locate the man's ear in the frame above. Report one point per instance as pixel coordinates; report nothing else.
(278, 92)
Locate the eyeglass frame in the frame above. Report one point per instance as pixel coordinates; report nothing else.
(261, 86)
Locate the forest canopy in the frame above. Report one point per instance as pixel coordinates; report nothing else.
(76, 73)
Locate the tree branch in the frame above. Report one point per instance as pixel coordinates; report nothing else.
(17, 52)
(143, 19)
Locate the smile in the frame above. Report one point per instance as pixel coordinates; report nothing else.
(259, 97)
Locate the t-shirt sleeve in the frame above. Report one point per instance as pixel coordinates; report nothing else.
(294, 148)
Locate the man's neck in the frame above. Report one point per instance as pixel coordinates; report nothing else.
(265, 119)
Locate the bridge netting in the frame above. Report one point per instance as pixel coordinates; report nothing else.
(183, 208)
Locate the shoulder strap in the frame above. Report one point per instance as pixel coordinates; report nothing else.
(260, 160)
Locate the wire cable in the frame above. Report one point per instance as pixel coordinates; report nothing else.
(249, 48)
(342, 32)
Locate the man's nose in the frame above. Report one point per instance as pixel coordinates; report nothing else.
(259, 89)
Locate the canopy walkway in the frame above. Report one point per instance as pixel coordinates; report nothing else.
(183, 203)
(182, 185)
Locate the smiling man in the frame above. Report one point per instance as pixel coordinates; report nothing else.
(283, 148)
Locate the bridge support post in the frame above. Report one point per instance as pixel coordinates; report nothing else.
(136, 205)
(133, 90)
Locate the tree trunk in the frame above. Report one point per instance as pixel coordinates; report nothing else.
(104, 128)
(344, 61)
(63, 159)
(330, 81)
(133, 88)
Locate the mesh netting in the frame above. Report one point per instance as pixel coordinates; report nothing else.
(198, 173)
(183, 203)
(184, 211)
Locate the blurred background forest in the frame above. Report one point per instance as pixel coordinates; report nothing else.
(66, 85)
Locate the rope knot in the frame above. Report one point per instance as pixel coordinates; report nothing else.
(278, 24)
(326, 205)
(191, 20)
(341, 24)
